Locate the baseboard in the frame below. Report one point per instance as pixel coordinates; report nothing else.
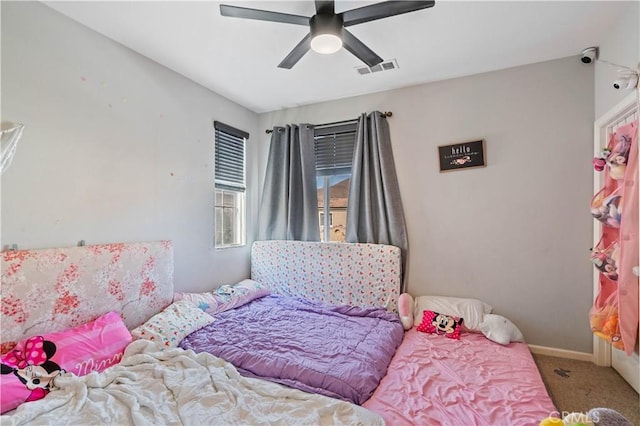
(561, 353)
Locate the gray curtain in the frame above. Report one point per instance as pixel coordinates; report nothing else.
(289, 208)
(375, 213)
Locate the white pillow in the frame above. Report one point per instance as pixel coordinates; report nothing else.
(471, 310)
(500, 330)
(174, 323)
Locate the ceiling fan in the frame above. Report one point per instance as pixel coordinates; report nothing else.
(328, 31)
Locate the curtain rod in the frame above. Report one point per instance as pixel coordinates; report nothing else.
(384, 114)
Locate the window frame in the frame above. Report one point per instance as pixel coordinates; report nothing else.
(228, 178)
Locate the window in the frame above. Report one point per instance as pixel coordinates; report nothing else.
(334, 154)
(229, 185)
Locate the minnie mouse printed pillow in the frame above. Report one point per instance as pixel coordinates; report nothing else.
(28, 370)
(436, 323)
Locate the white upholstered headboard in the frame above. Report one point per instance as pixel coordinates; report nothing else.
(335, 273)
(51, 290)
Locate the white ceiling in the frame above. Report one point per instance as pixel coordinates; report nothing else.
(238, 58)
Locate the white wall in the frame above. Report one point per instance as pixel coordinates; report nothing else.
(115, 147)
(517, 233)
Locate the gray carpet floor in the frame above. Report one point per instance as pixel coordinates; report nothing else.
(578, 386)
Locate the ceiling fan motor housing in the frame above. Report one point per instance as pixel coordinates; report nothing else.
(326, 24)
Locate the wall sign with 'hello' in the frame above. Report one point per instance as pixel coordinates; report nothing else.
(463, 155)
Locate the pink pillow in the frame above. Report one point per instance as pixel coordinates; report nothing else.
(30, 367)
(433, 322)
(405, 310)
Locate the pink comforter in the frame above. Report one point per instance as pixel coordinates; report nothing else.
(433, 380)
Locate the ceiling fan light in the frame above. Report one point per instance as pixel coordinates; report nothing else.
(326, 43)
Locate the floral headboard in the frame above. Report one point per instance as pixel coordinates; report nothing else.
(51, 290)
(337, 273)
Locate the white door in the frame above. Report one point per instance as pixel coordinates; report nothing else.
(603, 353)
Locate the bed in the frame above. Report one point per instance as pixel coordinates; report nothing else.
(318, 330)
(85, 303)
(472, 381)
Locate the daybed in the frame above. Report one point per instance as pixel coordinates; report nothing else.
(427, 379)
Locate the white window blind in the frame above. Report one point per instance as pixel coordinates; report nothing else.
(229, 157)
(333, 146)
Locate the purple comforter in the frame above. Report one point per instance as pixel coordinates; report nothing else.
(338, 351)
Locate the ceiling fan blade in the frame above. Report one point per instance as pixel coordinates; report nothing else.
(325, 7)
(382, 10)
(298, 52)
(359, 50)
(262, 15)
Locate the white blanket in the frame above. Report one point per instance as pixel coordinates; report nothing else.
(178, 387)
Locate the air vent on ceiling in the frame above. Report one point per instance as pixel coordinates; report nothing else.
(383, 66)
